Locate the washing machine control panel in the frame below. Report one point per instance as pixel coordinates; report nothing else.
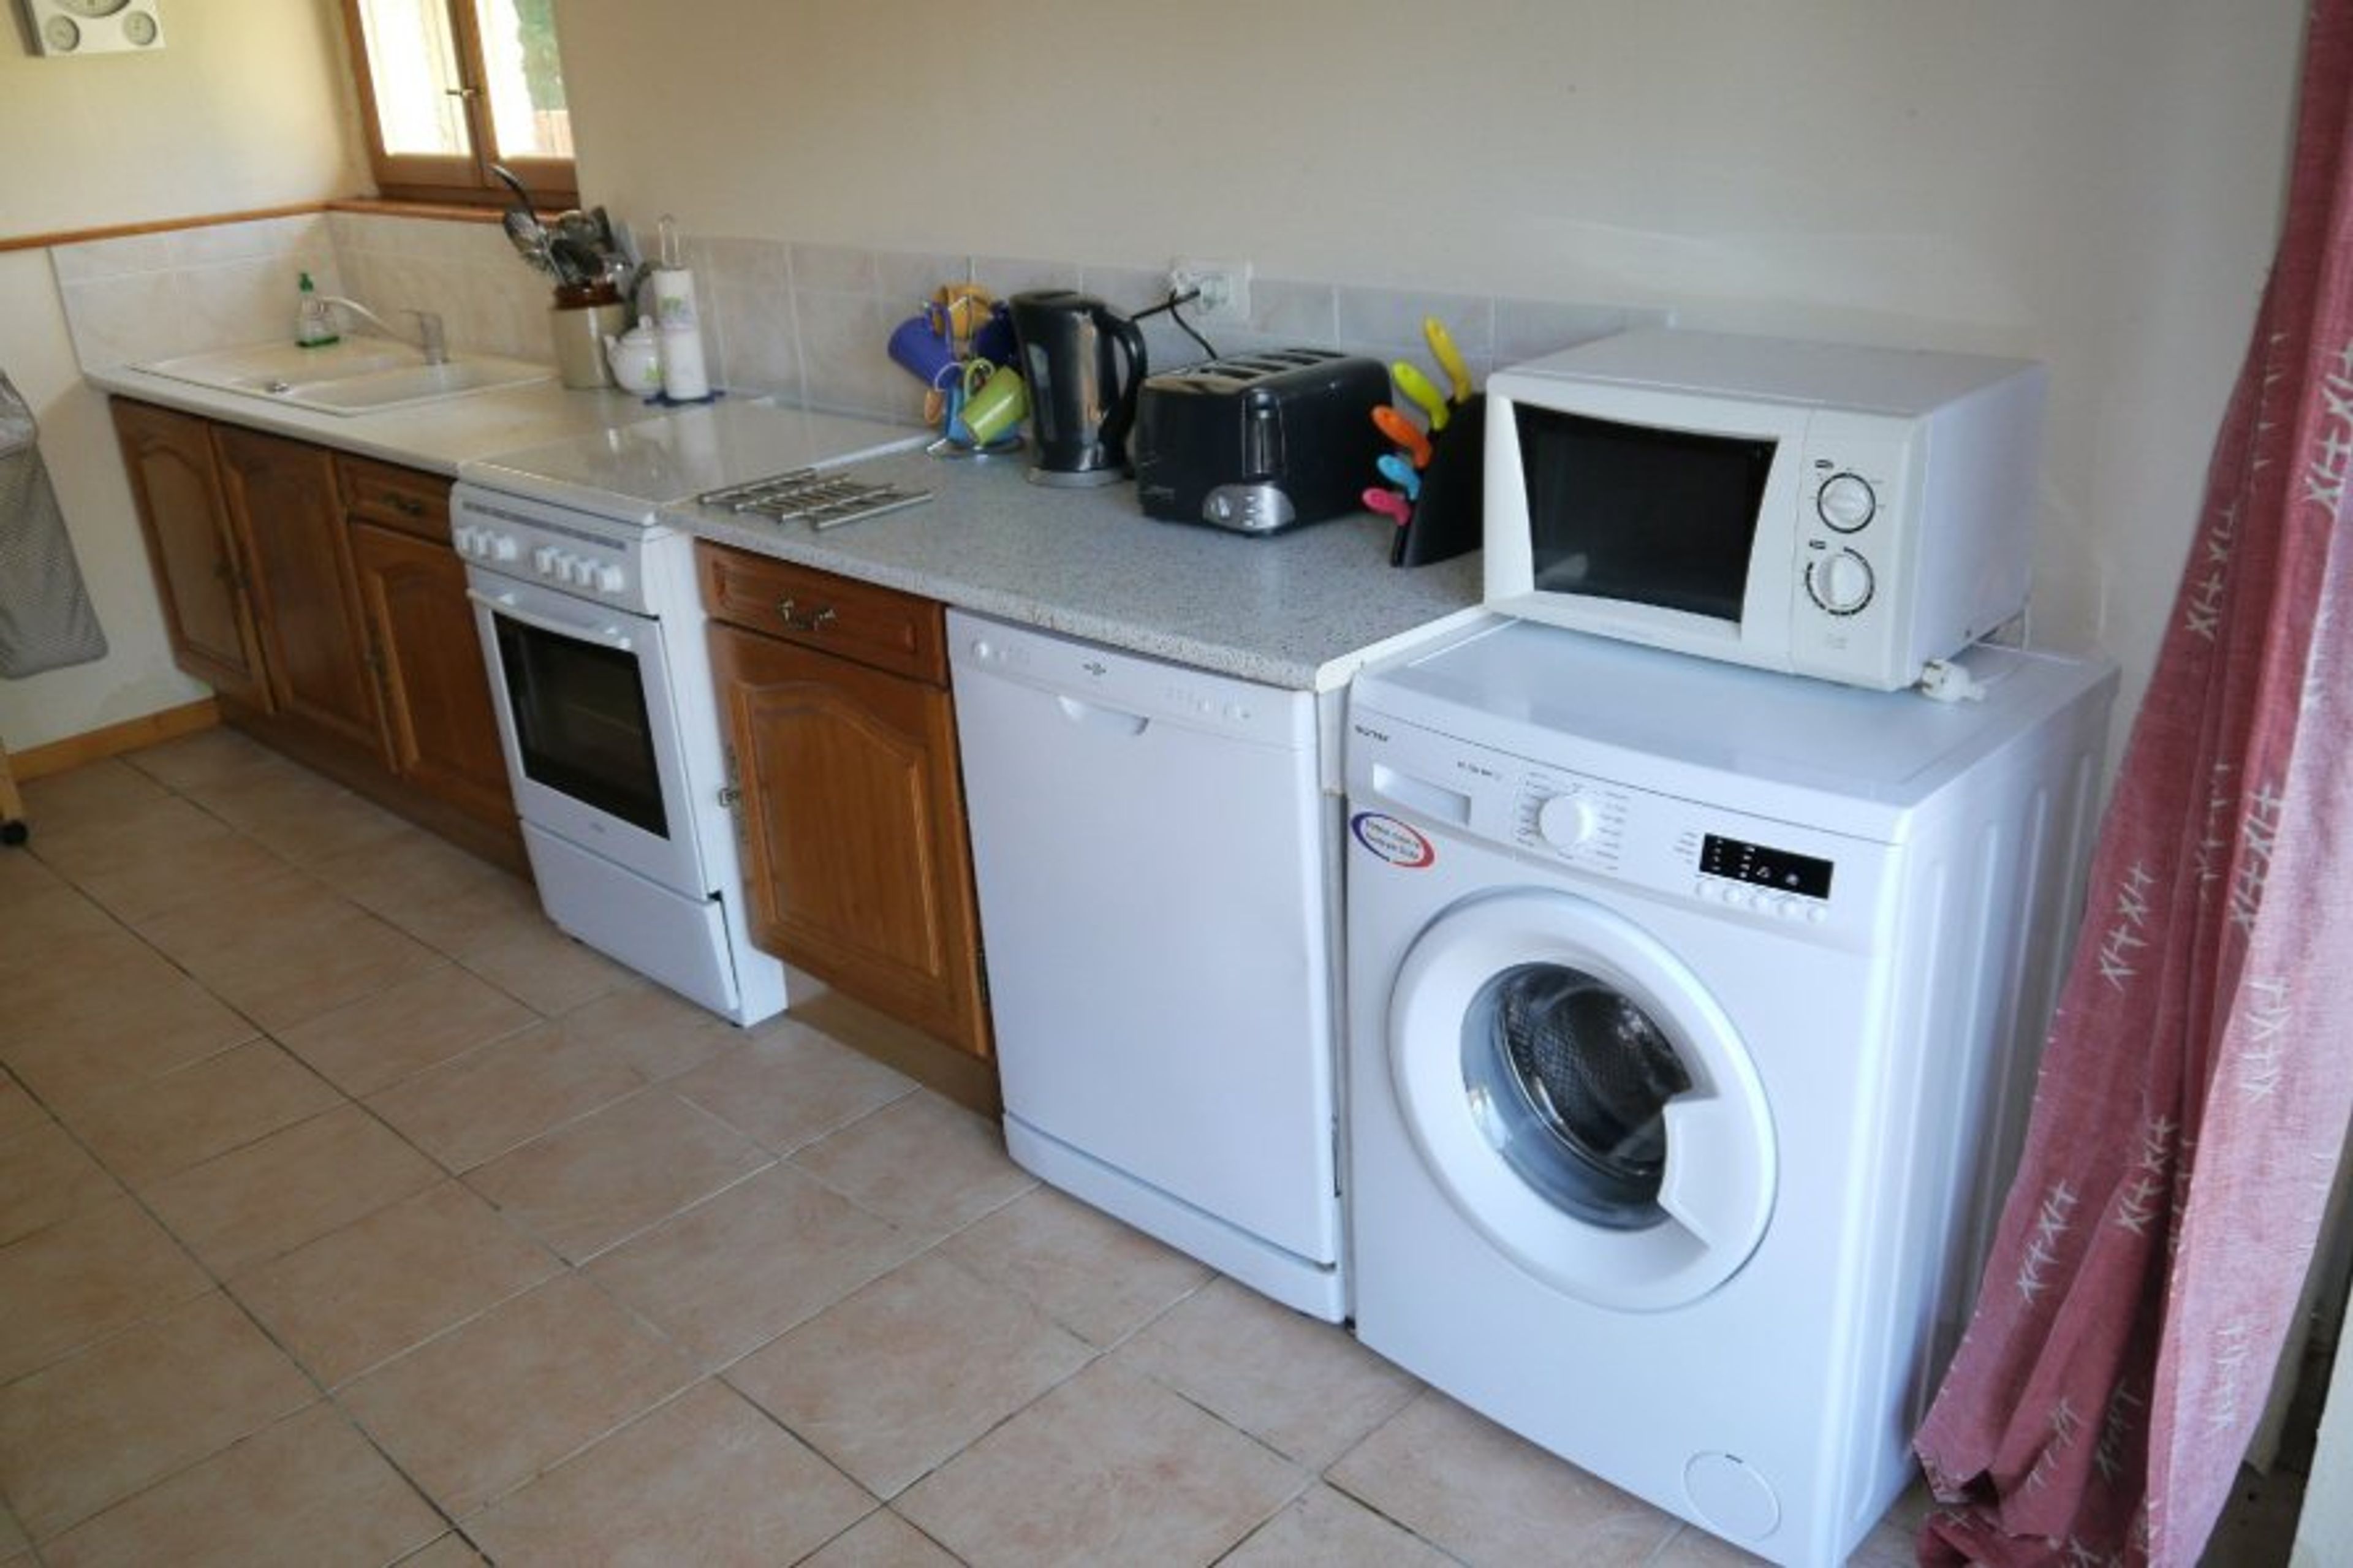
(1581, 820)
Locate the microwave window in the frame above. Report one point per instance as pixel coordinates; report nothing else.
(1651, 516)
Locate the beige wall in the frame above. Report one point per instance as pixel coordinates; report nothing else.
(2096, 184)
(245, 107)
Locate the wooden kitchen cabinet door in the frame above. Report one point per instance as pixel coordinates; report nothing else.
(191, 546)
(851, 812)
(439, 725)
(306, 603)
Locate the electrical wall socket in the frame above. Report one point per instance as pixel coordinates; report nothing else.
(1224, 285)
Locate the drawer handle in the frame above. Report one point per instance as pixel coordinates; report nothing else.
(406, 506)
(789, 611)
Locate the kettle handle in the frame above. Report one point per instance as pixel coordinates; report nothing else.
(1130, 338)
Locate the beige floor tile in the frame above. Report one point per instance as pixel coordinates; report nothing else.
(1304, 1388)
(86, 1277)
(729, 1275)
(1108, 1469)
(451, 1551)
(95, 793)
(355, 1299)
(882, 1539)
(299, 814)
(790, 1085)
(434, 891)
(45, 1177)
(1326, 1530)
(281, 912)
(165, 857)
(1096, 1275)
(897, 1378)
(13, 1538)
(191, 764)
(706, 1479)
(122, 1016)
(295, 1185)
(537, 964)
(660, 1032)
(922, 1163)
(1468, 1487)
(401, 1030)
(1692, 1547)
(473, 1413)
(616, 1171)
(475, 1107)
(19, 1111)
(195, 1113)
(308, 1491)
(90, 1430)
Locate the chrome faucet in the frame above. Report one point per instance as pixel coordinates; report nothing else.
(430, 334)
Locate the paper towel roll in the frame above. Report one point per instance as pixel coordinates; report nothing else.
(673, 291)
(685, 378)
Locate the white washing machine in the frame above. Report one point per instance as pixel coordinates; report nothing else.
(1693, 1012)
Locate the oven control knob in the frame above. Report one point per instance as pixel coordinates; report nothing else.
(542, 560)
(1846, 503)
(1841, 584)
(574, 570)
(467, 538)
(609, 579)
(500, 546)
(1566, 821)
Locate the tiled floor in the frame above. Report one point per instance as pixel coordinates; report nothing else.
(349, 1213)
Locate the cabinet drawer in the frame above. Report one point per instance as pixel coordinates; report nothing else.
(409, 499)
(902, 633)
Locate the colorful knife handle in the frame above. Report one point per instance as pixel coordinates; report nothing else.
(1405, 433)
(1390, 504)
(1417, 387)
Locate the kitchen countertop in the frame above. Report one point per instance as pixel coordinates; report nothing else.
(435, 436)
(1303, 610)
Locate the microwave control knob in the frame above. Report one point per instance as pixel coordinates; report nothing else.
(1841, 584)
(1846, 503)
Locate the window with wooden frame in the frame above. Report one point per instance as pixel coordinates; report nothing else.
(448, 87)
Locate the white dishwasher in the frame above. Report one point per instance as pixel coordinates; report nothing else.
(1154, 863)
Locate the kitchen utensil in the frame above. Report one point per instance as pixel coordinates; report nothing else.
(1390, 504)
(522, 224)
(917, 347)
(636, 358)
(1416, 385)
(1401, 473)
(1449, 357)
(1083, 364)
(994, 402)
(1405, 433)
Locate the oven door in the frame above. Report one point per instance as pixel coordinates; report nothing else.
(583, 692)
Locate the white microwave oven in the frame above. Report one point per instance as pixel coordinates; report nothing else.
(1845, 512)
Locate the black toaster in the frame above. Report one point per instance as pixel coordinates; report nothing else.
(1257, 442)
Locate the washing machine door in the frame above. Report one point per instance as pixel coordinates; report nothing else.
(1582, 1098)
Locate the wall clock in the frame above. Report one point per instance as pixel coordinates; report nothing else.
(94, 26)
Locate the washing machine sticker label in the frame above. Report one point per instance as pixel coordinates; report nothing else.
(1399, 843)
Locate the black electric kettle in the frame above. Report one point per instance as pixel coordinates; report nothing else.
(1081, 396)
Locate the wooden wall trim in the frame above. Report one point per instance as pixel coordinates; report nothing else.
(160, 226)
(96, 745)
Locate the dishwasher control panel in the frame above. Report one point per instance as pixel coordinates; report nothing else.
(1107, 685)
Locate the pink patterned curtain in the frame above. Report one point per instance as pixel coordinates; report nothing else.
(2194, 1094)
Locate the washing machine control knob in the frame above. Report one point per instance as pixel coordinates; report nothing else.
(1565, 821)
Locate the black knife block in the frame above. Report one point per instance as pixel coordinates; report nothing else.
(1448, 519)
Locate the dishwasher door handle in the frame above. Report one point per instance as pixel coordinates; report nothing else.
(1112, 720)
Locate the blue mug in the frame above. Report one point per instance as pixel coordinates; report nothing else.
(919, 350)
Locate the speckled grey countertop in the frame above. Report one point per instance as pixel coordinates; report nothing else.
(1302, 609)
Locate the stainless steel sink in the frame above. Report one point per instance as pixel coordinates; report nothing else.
(357, 375)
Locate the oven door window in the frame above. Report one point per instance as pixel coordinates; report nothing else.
(1642, 514)
(581, 725)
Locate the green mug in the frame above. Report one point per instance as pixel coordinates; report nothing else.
(995, 406)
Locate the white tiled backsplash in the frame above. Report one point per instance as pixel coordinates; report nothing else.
(803, 321)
